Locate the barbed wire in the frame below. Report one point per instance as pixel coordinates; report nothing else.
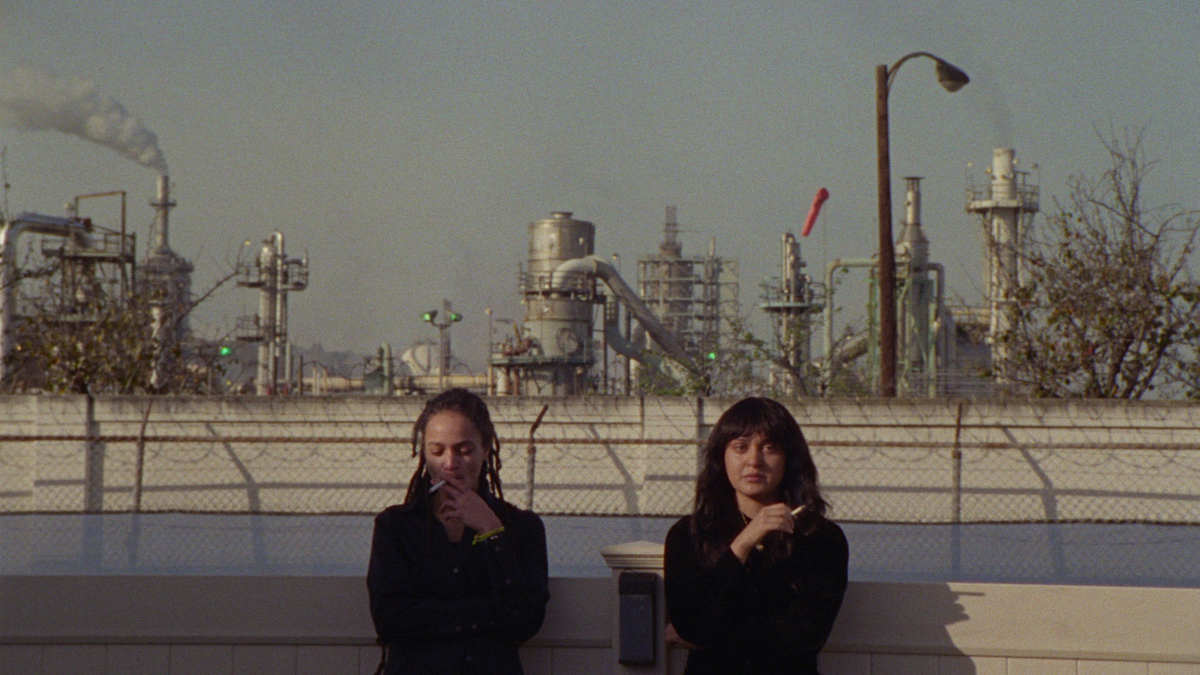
(886, 481)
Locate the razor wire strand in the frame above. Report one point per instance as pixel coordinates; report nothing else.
(361, 449)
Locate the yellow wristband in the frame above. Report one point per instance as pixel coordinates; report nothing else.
(479, 538)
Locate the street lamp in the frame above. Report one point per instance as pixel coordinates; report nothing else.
(952, 79)
(448, 317)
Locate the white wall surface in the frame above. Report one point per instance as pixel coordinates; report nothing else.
(880, 460)
(292, 625)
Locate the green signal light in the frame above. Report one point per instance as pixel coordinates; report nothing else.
(429, 316)
(455, 316)
(711, 356)
(225, 350)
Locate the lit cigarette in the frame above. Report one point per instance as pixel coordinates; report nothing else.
(437, 486)
(796, 511)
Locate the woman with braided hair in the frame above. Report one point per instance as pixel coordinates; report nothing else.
(458, 576)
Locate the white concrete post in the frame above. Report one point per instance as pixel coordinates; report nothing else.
(638, 556)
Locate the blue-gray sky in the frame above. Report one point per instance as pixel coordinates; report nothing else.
(407, 144)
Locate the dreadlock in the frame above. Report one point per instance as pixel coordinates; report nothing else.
(474, 409)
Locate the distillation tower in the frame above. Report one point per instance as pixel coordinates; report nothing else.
(167, 279)
(275, 275)
(695, 298)
(554, 353)
(922, 324)
(554, 350)
(920, 303)
(1007, 206)
(791, 301)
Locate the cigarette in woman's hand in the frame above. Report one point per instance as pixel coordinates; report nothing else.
(437, 486)
(796, 511)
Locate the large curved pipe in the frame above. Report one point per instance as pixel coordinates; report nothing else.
(626, 348)
(603, 269)
(10, 232)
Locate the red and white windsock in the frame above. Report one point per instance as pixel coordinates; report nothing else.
(814, 211)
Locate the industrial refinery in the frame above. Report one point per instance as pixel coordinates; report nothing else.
(584, 329)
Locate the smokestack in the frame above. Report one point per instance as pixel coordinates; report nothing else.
(162, 215)
(1003, 178)
(913, 240)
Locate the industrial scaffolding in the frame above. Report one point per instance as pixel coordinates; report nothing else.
(695, 298)
(98, 270)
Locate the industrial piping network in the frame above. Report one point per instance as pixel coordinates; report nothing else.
(10, 232)
(608, 274)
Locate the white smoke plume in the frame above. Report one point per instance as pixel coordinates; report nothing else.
(31, 100)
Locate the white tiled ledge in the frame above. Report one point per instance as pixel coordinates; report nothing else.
(166, 623)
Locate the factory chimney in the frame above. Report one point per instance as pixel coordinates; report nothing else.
(167, 278)
(1007, 206)
(162, 214)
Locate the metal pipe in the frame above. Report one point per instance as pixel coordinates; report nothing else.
(612, 334)
(389, 384)
(10, 233)
(606, 272)
(835, 264)
(279, 272)
(940, 328)
(531, 458)
(264, 384)
(162, 208)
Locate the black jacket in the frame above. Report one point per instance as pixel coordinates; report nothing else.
(456, 608)
(754, 618)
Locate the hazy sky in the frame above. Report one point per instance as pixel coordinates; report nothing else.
(407, 144)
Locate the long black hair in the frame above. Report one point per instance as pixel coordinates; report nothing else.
(716, 518)
(473, 408)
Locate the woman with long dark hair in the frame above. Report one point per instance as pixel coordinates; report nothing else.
(756, 574)
(458, 576)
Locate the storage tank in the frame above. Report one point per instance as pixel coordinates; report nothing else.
(558, 308)
(559, 238)
(553, 353)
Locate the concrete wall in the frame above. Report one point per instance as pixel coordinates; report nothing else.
(291, 625)
(897, 460)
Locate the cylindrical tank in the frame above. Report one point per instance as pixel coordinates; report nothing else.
(562, 327)
(557, 239)
(558, 309)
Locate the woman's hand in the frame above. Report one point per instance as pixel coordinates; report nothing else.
(773, 518)
(671, 637)
(466, 506)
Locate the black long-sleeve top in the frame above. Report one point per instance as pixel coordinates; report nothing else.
(756, 618)
(462, 608)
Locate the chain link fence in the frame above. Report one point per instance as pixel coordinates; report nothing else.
(907, 462)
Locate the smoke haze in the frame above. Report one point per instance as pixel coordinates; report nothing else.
(31, 100)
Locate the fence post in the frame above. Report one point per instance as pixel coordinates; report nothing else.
(956, 463)
(956, 494)
(531, 458)
(93, 461)
(140, 461)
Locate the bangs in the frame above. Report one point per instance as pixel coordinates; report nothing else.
(753, 416)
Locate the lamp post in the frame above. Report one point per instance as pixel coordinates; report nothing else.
(952, 79)
(448, 317)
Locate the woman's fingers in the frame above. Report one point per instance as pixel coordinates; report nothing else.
(476, 513)
(776, 517)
